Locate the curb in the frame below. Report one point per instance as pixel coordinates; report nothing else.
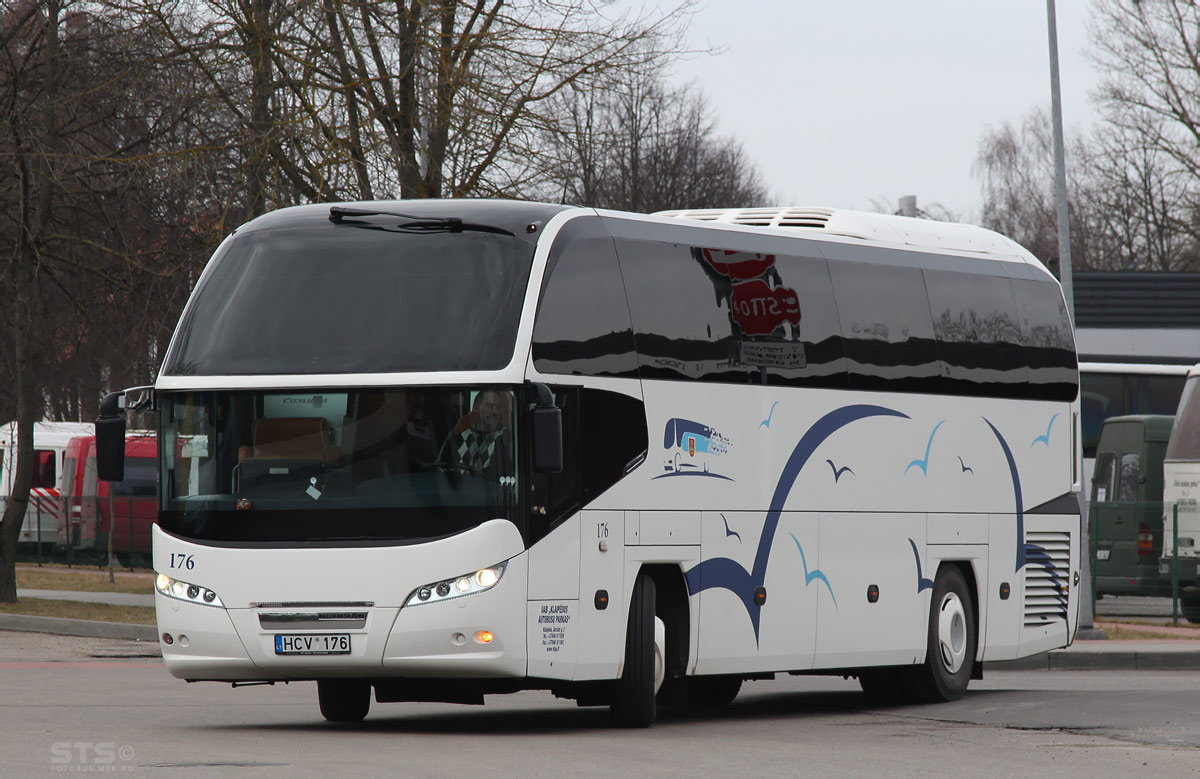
(1114, 660)
(78, 627)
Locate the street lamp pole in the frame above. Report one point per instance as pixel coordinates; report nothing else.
(1087, 605)
(1060, 167)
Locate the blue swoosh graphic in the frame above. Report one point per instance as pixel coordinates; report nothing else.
(922, 583)
(924, 464)
(1045, 439)
(691, 473)
(1016, 480)
(816, 574)
(723, 573)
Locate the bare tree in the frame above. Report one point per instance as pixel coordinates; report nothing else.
(83, 111)
(1016, 167)
(635, 144)
(1129, 203)
(409, 98)
(1150, 55)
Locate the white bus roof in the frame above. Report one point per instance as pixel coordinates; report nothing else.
(47, 433)
(881, 228)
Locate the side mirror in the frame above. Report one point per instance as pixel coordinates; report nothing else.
(110, 438)
(547, 433)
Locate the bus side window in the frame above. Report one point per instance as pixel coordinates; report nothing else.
(1102, 491)
(1131, 472)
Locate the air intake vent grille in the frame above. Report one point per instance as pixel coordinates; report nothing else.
(1047, 576)
(810, 218)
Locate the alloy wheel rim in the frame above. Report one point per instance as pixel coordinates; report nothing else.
(952, 632)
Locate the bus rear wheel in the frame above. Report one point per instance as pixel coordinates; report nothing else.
(950, 650)
(344, 700)
(633, 694)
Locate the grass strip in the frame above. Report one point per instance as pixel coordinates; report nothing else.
(66, 609)
(81, 580)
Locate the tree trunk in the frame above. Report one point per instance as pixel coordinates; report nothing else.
(18, 501)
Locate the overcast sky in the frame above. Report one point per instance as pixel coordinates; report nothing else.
(849, 102)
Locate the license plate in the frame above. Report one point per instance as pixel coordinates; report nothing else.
(1164, 567)
(312, 644)
(1102, 554)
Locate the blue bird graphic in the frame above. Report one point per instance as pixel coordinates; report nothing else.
(837, 472)
(924, 464)
(1045, 439)
(815, 574)
(966, 468)
(767, 422)
(729, 532)
(922, 583)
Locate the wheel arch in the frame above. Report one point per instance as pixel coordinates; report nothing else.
(672, 606)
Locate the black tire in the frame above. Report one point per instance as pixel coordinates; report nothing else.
(950, 650)
(633, 694)
(344, 700)
(717, 690)
(1189, 609)
(887, 686)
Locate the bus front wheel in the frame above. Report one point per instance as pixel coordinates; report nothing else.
(950, 651)
(633, 703)
(344, 700)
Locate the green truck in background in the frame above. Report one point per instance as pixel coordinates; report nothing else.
(1126, 505)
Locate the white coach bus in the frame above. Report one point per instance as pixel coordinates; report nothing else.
(440, 449)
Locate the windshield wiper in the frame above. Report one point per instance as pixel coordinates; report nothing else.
(416, 224)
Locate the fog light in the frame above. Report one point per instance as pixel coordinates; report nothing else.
(166, 638)
(484, 637)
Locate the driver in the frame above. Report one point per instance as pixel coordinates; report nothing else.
(486, 445)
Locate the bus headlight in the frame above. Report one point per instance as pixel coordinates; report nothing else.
(184, 591)
(457, 586)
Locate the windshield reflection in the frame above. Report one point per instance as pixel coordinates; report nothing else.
(360, 464)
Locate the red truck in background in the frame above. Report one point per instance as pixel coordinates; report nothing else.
(95, 508)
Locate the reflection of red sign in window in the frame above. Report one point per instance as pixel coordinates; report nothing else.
(760, 310)
(738, 266)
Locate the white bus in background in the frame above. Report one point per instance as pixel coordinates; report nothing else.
(440, 449)
(1181, 487)
(45, 494)
(1115, 389)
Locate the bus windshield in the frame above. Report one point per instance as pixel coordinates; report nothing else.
(365, 465)
(1185, 434)
(336, 299)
